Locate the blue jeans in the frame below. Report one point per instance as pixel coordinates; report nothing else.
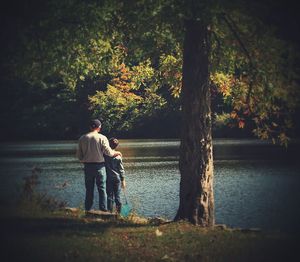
(113, 187)
(95, 172)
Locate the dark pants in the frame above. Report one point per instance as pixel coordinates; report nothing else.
(95, 172)
(113, 188)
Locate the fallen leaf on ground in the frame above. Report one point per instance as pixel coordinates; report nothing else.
(158, 233)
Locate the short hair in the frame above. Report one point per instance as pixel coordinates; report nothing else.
(95, 123)
(113, 142)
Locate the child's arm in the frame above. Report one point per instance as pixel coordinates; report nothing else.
(122, 173)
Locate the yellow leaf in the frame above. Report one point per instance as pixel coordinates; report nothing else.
(158, 233)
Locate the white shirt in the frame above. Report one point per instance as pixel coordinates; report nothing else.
(92, 146)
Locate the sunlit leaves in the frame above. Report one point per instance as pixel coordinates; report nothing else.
(143, 75)
(136, 48)
(222, 119)
(170, 69)
(256, 79)
(130, 97)
(224, 82)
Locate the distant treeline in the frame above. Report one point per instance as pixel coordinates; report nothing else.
(29, 113)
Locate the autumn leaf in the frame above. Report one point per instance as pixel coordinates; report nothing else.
(246, 112)
(158, 233)
(233, 114)
(241, 124)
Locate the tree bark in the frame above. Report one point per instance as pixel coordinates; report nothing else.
(196, 159)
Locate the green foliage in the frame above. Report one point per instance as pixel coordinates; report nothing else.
(170, 68)
(222, 119)
(64, 47)
(130, 97)
(255, 73)
(122, 61)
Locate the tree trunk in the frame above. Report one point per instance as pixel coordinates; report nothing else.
(196, 160)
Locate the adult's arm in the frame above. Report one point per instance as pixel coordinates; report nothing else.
(107, 149)
(79, 152)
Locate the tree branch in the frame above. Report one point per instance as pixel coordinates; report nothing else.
(234, 29)
(218, 46)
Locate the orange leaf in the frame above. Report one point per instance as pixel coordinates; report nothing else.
(233, 114)
(241, 124)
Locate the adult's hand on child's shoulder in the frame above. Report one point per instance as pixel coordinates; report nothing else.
(118, 153)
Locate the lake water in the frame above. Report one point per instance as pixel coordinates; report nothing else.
(256, 184)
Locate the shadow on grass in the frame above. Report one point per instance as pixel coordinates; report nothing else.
(57, 225)
(65, 237)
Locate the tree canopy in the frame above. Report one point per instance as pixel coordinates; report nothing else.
(121, 61)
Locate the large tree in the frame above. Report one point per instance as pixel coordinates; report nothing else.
(196, 158)
(249, 81)
(80, 53)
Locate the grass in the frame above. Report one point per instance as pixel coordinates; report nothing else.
(32, 234)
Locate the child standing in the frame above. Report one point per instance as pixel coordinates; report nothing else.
(115, 178)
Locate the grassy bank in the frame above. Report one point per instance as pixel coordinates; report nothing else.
(31, 235)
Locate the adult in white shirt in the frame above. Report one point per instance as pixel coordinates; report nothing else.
(90, 150)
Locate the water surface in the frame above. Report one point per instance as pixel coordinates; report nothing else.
(255, 184)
